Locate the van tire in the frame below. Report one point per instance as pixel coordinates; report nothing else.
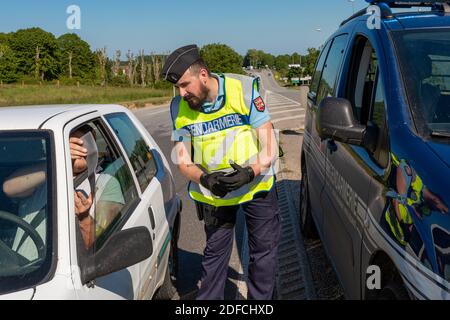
(307, 226)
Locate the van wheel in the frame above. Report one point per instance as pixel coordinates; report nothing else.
(168, 289)
(307, 226)
(393, 291)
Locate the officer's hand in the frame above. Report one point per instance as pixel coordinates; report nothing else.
(211, 182)
(239, 178)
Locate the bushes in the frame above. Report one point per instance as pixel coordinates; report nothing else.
(119, 81)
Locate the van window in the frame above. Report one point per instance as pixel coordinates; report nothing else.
(378, 119)
(366, 94)
(363, 81)
(319, 68)
(331, 68)
(424, 57)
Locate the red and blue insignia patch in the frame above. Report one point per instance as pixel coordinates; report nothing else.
(259, 104)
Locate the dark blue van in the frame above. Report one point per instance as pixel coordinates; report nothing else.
(376, 152)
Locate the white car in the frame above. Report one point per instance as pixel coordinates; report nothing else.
(133, 218)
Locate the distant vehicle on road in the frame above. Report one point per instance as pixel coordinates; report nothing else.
(376, 154)
(43, 254)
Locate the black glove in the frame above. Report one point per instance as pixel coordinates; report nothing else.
(240, 177)
(211, 182)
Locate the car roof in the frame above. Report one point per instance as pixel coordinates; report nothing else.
(32, 117)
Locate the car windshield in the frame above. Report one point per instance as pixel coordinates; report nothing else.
(25, 209)
(424, 57)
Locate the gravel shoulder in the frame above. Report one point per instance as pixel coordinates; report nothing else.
(324, 279)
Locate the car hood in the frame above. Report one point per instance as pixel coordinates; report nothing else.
(441, 150)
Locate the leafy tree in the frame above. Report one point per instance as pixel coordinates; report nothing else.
(37, 53)
(296, 58)
(294, 73)
(282, 63)
(221, 58)
(4, 38)
(8, 64)
(268, 60)
(309, 61)
(253, 58)
(258, 59)
(77, 60)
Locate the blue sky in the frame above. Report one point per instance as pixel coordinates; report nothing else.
(161, 26)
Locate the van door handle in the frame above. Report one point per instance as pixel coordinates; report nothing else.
(152, 217)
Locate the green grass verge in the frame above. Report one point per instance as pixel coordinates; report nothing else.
(16, 95)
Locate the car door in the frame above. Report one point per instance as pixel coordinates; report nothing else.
(147, 166)
(348, 178)
(314, 154)
(114, 204)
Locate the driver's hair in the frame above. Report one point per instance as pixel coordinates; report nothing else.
(84, 129)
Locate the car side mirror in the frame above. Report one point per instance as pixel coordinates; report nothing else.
(122, 250)
(335, 121)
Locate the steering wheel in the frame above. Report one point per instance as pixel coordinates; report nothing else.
(29, 230)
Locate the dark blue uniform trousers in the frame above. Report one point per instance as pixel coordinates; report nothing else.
(262, 218)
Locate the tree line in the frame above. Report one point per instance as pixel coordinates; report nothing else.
(260, 59)
(35, 56)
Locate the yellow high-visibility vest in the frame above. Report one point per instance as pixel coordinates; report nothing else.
(221, 136)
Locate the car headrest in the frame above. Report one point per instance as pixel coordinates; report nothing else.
(424, 67)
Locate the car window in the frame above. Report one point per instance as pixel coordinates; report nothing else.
(105, 181)
(331, 68)
(137, 150)
(26, 193)
(319, 68)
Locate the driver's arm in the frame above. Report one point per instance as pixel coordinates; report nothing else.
(23, 182)
(185, 164)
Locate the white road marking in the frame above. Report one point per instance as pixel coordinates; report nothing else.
(294, 108)
(285, 98)
(280, 112)
(289, 118)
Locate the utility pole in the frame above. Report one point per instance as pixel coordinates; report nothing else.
(70, 64)
(37, 60)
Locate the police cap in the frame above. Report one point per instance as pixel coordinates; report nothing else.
(179, 61)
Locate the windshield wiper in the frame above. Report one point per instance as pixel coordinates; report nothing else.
(442, 134)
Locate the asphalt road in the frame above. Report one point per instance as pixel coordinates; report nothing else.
(285, 108)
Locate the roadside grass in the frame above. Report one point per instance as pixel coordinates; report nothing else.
(17, 95)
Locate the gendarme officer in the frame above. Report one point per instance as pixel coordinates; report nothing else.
(226, 147)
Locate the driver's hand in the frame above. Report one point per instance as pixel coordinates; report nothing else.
(82, 205)
(76, 149)
(78, 155)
